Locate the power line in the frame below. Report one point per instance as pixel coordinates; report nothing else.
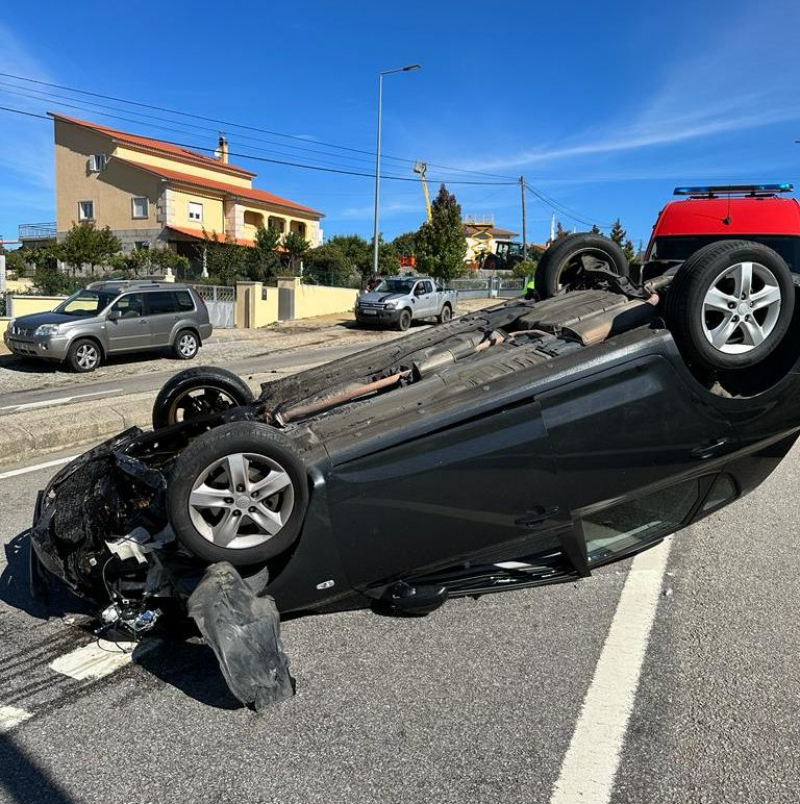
(246, 127)
(564, 210)
(340, 171)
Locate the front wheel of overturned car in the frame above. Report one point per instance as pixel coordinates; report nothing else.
(84, 355)
(238, 493)
(199, 391)
(560, 265)
(730, 304)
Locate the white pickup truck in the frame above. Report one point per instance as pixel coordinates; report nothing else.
(399, 300)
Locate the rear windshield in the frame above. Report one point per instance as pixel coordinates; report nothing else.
(85, 303)
(396, 285)
(681, 247)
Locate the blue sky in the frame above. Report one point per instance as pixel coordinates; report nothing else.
(603, 106)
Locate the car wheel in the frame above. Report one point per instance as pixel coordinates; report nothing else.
(186, 345)
(730, 304)
(199, 392)
(446, 314)
(84, 355)
(560, 264)
(404, 321)
(238, 493)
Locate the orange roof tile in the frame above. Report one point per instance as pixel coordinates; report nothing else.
(156, 145)
(200, 235)
(231, 189)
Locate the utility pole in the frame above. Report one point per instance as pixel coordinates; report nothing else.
(524, 231)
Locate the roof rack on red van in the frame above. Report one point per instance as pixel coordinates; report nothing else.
(734, 189)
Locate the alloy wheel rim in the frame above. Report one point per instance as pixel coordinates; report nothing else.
(241, 500)
(741, 308)
(187, 345)
(86, 356)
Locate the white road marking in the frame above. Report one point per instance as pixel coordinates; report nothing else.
(95, 660)
(63, 400)
(11, 716)
(36, 467)
(591, 762)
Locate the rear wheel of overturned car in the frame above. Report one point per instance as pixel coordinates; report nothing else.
(445, 315)
(199, 391)
(186, 345)
(730, 304)
(84, 355)
(238, 493)
(404, 322)
(560, 265)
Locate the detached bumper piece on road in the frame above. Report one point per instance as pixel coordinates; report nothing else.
(523, 445)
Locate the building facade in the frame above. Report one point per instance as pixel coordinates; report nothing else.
(154, 193)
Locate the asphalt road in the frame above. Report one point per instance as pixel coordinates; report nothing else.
(479, 702)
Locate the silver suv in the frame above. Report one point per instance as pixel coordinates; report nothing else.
(108, 318)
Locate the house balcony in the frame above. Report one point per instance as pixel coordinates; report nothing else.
(37, 231)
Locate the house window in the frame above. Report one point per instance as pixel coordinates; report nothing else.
(195, 211)
(253, 218)
(299, 228)
(85, 210)
(142, 245)
(139, 207)
(277, 223)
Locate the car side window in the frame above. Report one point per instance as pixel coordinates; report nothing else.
(185, 302)
(131, 305)
(419, 289)
(161, 302)
(623, 527)
(428, 287)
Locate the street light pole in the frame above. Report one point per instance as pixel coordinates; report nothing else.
(406, 69)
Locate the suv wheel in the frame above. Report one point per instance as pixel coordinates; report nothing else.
(84, 355)
(199, 391)
(238, 493)
(730, 304)
(186, 345)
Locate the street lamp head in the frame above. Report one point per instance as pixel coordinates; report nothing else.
(412, 67)
(405, 69)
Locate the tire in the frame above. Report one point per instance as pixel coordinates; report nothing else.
(258, 454)
(719, 318)
(84, 355)
(446, 314)
(197, 392)
(558, 263)
(404, 321)
(186, 345)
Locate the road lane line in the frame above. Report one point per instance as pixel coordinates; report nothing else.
(591, 762)
(58, 400)
(95, 660)
(36, 467)
(11, 716)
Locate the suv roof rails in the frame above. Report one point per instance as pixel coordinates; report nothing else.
(734, 189)
(130, 283)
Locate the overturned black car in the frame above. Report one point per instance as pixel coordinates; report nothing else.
(523, 445)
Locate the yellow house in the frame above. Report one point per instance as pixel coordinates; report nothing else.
(150, 192)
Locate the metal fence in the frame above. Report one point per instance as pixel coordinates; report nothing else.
(220, 301)
(492, 287)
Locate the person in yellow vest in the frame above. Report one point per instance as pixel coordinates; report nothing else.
(529, 290)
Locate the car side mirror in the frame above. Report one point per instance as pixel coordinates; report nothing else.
(113, 315)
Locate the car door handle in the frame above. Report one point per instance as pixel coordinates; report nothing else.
(707, 451)
(536, 516)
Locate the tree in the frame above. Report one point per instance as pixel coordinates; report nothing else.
(85, 244)
(595, 229)
(560, 231)
(440, 243)
(388, 260)
(46, 276)
(405, 244)
(296, 247)
(526, 268)
(168, 260)
(133, 263)
(263, 259)
(329, 265)
(617, 233)
(630, 254)
(226, 261)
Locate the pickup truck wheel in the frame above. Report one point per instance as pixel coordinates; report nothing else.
(560, 264)
(84, 355)
(404, 322)
(445, 315)
(730, 304)
(238, 493)
(199, 392)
